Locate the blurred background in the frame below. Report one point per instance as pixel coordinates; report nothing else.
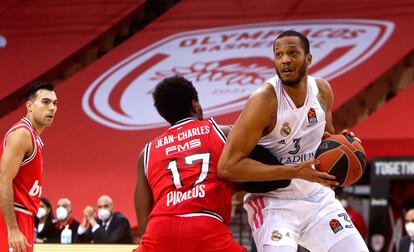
(106, 56)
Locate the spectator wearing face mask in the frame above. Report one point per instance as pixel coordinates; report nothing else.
(64, 217)
(355, 216)
(111, 227)
(406, 242)
(45, 223)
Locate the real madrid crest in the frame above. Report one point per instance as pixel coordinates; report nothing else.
(276, 235)
(285, 130)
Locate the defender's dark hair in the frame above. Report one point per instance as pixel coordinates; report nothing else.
(173, 98)
(35, 86)
(51, 216)
(292, 33)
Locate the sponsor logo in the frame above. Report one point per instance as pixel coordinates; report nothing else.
(312, 116)
(3, 41)
(226, 65)
(282, 142)
(36, 190)
(335, 225)
(276, 235)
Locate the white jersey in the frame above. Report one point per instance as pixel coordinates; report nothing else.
(296, 136)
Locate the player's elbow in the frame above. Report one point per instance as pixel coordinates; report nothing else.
(226, 170)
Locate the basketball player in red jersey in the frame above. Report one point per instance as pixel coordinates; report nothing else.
(180, 202)
(21, 167)
(289, 115)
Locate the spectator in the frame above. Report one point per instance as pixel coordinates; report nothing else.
(406, 242)
(64, 216)
(356, 217)
(111, 227)
(45, 223)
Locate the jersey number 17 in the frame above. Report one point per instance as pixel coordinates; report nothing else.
(190, 160)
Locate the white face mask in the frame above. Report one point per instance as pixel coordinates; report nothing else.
(103, 214)
(41, 212)
(409, 227)
(61, 213)
(344, 203)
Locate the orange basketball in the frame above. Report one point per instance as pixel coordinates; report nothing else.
(343, 157)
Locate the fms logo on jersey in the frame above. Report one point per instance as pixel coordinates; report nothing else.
(226, 65)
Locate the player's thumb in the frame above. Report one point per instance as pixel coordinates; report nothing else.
(312, 163)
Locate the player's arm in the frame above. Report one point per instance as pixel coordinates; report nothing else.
(326, 99)
(255, 121)
(18, 145)
(143, 197)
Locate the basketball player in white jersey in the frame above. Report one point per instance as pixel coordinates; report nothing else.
(289, 115)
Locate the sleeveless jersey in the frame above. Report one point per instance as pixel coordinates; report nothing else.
(296, 136)
(181, 168)
(27, 185)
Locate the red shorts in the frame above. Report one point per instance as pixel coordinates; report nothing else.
(187, 234)
(26, 226)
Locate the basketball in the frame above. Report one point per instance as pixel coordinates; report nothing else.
(343, 157)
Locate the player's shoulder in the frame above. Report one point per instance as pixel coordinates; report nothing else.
(265, 94)
(19, 138)
(20, 132)
(323, 85)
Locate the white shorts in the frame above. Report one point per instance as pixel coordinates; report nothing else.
(316, 222)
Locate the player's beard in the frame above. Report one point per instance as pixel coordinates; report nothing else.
(294, 82)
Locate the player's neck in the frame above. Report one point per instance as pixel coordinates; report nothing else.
(38, 127)
(297, 92)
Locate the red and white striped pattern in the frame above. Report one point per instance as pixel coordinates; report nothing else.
(257, 204)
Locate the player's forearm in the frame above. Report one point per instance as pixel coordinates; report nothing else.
(6, 203)
(248, 169)
(142, 214)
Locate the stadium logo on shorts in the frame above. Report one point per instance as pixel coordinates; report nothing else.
(335, 225)
(226, 65)
(276, 235)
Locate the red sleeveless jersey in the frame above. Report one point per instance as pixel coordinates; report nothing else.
(27, 185)
(181, 168)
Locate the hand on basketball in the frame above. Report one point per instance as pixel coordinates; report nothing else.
(307, 171)
(17, 241)
(346, 132)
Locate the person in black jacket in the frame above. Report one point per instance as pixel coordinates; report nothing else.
(406, 242)
(64, 217)
(45, 223)
(111, 227)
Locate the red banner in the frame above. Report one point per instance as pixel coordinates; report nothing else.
(106, 114)
(389, 130)
(37, 35)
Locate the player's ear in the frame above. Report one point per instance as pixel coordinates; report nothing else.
(29, 106)
(308, 59)
(194, 106)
